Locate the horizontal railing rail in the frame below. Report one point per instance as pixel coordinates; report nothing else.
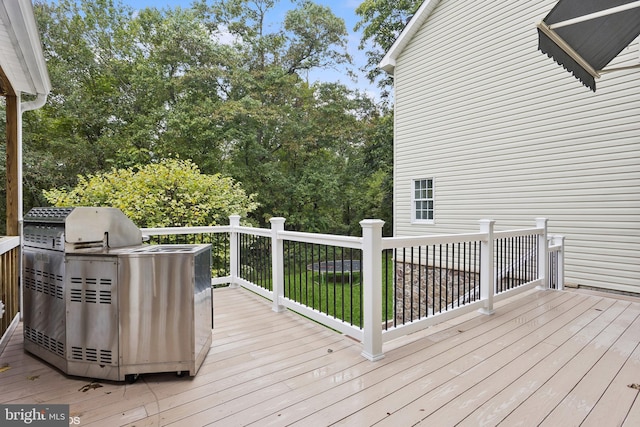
(436, 239)
(323, 239)
(168, 231)
(8, 243)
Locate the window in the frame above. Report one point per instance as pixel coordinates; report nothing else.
(423, 200)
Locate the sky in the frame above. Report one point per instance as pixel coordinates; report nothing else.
(345, 9)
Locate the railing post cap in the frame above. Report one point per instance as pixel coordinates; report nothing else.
(541, 222)
(277, 220)
(371, 223)
(486, 225)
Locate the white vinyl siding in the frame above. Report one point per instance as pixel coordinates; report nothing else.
(512, 136)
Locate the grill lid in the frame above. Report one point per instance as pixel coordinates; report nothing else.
(85, 226)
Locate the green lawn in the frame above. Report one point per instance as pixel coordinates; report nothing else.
(338, 295)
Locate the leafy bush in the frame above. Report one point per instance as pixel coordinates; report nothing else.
(171, 193)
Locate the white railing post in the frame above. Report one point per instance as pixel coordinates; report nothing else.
(372, 291)
(487, 270)
(234, 250)
(559, 241)
(543, 254)
(277, 263)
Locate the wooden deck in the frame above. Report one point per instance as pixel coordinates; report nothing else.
(547, 357)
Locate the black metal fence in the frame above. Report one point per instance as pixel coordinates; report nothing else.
(429, 279)
(516, 260)
(326, 278)
(254, 260)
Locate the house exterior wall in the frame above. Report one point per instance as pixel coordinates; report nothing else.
(507, 134)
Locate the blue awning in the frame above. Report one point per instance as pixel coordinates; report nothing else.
(584, 36)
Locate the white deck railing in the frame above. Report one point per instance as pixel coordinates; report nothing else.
(9, 298)
(519, 261)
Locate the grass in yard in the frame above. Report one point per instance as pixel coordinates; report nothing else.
(336, 295)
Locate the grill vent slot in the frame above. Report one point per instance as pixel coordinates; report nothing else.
(43, 282)
(91, 355)
(44, 340)
(105, 356)
(76, 295)
(105, 297)
(29, 283)
(90, 296)
(43, 236)
(93, 296)
(76, 353)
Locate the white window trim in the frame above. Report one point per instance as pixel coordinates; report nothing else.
(414, 220)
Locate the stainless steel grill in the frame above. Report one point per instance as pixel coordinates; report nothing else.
(98, 303)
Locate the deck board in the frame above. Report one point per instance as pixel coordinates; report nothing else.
(474, 364)
(578, 403)
(534, 410)
(610, 409)
(550, 357)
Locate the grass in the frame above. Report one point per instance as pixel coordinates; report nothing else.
(337, 295)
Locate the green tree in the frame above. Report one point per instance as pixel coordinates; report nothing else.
(375, 173)
(315, 38)
(211, 83)
(172, 193)
(381, 23)
(290, 142)
(129, 87)
(87, 54)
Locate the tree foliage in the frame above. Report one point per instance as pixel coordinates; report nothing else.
(214, 84)
(172, 193)
(317, 38)
(381, 23)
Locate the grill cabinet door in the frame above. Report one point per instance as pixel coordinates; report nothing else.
(92, 312)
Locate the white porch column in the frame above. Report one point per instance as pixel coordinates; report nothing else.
(372, 288)
(543, 254)
(487, 270)
(234, 250)
(277, 263)
(13, 165)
